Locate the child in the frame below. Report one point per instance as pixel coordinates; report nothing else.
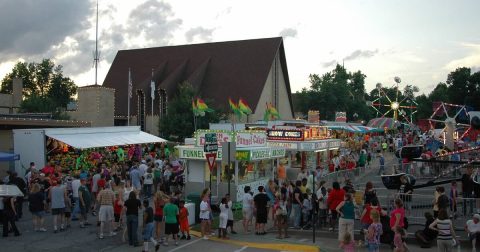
(399, 240)
(453, 199)
(117, 211)
(307, 208)
(322, 204)
(281, 214)
(183, 218)
(222, 226)
(68, 212)
(348, 244)
(374, 232)
(230, 214)
(148, 227)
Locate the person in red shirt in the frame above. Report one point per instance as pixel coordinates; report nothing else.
(117, 211)
(183, 218)
(48, 169)
(334, 198)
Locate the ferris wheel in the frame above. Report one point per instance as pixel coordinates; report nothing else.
(397, 105)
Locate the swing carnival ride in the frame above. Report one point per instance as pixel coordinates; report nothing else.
(453, 126)
(400, 105)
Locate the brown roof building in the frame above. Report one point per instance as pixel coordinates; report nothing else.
(255, 70)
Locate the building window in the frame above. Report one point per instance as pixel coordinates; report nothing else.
(141, 109)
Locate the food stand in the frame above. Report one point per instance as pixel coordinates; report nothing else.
(307, 146)
(254, 162)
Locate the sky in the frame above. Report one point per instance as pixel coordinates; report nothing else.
(419, 41)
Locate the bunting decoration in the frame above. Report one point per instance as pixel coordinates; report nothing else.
(243, 107)
(271, 113)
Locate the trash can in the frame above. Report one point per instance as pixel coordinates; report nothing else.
(195, 199)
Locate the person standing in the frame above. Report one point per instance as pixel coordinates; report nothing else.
(183, 219)
(397, 217)
(37, 207)
(204, 216)
(467, 190)
(75, 186)
(297, 204)
(20, 183)
(148, 183)
(335, 196)
(135, 177)
(247, 208)
(132, 205)
(106, 200)
(406, 191)
(446, 234)
(230, 214)
(58, 196)
(159, 203)
(346, 209)
(472, 228)
(223, 219)
(148, 227)
(84, 199)
(374, 232)
(95, 180)
(171, 212)
(381, 161)
(9, 213)
(261, 201)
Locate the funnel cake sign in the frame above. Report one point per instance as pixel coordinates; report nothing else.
(251, 139)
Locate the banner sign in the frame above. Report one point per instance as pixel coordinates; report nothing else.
(314, 116)
(222, 136)
(286, 145)
(313, 146)
(340, 116)
(334, 144)
(240, 155)
(251, 139)
(285, 134)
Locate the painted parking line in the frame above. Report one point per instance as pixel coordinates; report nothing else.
(185, 245)
(242, 249)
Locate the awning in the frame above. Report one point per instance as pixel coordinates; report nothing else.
(84, 138)
(10, 190)
(382, 123)
(354, 128)
(4, 156)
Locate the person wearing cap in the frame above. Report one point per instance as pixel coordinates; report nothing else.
(473, 229)
(106, 200)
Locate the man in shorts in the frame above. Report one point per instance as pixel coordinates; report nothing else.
(85, 199)
(106, 199)
(58, 196)
(170, 211)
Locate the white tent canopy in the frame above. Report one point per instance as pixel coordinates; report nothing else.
(83, 138)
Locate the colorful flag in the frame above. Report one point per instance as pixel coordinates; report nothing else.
(195, 109)
(202, 106)
(236, 110)
(243, 106)
(271, 112)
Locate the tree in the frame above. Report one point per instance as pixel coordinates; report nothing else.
(457, 85)
(178, 124)
(45, 88)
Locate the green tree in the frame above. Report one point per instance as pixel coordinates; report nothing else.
(457, 85)
(178, 124)
(45, 88)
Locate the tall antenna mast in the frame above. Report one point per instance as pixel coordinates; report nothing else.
(96, 56)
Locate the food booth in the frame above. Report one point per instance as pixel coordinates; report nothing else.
(253, 165)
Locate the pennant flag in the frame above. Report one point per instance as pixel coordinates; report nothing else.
(195, 109)
(236, 110)
(244, 108)
(271, 113)
(202, 106)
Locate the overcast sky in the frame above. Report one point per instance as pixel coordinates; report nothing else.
(419, 41)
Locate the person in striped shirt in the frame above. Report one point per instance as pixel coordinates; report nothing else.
(446, 238)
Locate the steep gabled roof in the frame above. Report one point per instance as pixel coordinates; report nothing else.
(217, 70)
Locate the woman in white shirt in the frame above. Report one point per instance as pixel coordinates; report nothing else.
(222, 225)
(204, 215)
(247, 208)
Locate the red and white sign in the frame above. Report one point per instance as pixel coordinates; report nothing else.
(341, 117)
(211, 157)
